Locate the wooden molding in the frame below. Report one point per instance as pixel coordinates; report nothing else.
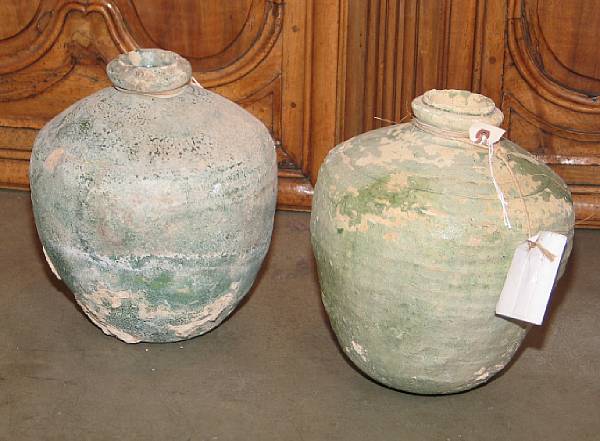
(33, 42)
(520, 31)
(557, 123)
(586, 200)
(328, 35)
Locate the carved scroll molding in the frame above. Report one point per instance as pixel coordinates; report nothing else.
(551, 143)
(267, 15)
(33, 42)
(523, 32)
(570, 152)
(545, 102)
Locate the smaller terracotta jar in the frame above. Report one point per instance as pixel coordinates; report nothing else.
(412, 248)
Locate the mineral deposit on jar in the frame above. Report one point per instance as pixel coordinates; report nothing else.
(107, 328)
(106, 300)
(362, 353)
(53, 159)
(391, 217)
(210, 313)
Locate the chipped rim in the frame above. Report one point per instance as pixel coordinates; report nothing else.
(149, 71)
(455, 109)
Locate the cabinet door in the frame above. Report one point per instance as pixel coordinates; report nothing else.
(255, 52)
(551, 92)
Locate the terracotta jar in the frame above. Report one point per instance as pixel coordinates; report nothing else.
(154, 200)
(412, 248)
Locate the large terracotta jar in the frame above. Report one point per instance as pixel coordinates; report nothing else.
(412, 248)
(154, 200)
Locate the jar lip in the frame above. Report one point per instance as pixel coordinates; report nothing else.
(459, 101)
(455, 109)
(149, 71)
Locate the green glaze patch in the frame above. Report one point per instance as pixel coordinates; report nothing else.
(375, 198)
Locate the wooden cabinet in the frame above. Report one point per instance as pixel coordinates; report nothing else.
(317, 72)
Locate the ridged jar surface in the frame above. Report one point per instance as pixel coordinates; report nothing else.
(412, 253)
(156, 213)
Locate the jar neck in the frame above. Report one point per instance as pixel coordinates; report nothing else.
(455, 110)
(149, 71)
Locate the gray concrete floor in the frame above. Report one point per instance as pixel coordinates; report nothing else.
(273, 371)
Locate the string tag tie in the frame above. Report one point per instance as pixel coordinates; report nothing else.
(166, 93)
(488, 135)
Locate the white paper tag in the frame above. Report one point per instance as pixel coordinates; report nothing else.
(486, 134)
(531, 277)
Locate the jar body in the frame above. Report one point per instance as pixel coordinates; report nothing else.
(156, 212)
(412, 253)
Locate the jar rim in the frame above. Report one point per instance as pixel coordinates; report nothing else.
(459, 101)
(454, 109)
(149, 71)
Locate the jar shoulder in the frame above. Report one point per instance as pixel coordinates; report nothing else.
(147, 132)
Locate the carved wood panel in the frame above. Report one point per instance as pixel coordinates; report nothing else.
(255, 52)
(551, 88)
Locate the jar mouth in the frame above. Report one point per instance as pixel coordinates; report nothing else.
(459, 101)
(455, 109)
(149, 71)
(149, 58)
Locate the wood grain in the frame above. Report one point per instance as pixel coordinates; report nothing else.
(328, 60)
(201, 30)
(15, 16)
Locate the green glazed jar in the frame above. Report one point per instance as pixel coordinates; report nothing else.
(154, 200)
(412, 250)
